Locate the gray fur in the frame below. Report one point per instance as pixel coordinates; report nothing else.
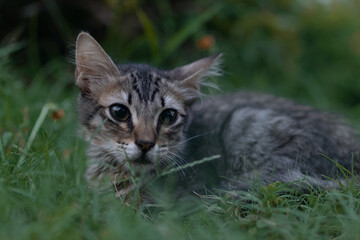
(258, 137)
(271, 139)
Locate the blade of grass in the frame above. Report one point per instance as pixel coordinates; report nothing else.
(2, 154)
(8, 49)
(189, 29)
(150, 32)
(172, 170)
(339, 166)
(23, 193)
(97, 130)
(44, 111)
(55, 12)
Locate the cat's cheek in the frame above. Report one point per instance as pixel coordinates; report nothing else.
(164, 136)
(132, 152)
(154, 154)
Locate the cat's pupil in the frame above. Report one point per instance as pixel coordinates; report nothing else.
(119, 112)
(168, 116)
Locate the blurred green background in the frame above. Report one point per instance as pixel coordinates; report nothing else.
(308, 50)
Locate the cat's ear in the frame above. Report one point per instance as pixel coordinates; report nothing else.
(191, 75)
(94, 68)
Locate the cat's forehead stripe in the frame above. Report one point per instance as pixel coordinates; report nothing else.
(156, 90)
(135, 85)
(146, 84)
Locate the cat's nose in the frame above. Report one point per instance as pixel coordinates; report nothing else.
(144, 145)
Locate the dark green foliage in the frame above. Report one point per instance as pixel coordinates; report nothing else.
(305, 50)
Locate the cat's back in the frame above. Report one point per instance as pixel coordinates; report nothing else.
(263, 128)
(260, 107)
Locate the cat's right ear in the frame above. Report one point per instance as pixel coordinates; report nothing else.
(191, 75)
(94, 68)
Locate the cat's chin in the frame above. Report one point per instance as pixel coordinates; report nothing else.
(142, 160)
(142, 164)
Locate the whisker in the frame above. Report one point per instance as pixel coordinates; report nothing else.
(182, 161)
(191, 138)
(173, 161)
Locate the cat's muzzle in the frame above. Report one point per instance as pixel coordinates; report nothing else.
(143, 159)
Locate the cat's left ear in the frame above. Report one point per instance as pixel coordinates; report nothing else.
(191, 75)
(94, 68)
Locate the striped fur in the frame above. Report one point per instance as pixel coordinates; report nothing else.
(146, 92)
(259, 138)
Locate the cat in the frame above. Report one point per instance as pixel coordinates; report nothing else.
(139, 119)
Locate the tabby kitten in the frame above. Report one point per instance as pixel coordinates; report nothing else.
(139, 119)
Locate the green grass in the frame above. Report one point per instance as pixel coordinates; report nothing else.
(306, 52)
(43, 193)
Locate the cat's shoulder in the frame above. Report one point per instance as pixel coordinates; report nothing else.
(249, 99)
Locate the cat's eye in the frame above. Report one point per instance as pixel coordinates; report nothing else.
(168, 116)
(119, 112)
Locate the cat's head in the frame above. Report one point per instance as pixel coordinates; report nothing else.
(134, 113)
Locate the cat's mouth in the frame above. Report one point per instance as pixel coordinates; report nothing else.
(142, 160)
